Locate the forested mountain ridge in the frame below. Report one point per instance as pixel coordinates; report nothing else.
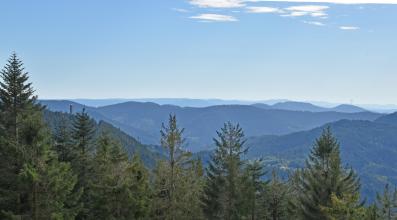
(303, 106)
(141, 120)
(369, 147)
(67, 166)
(148, 154)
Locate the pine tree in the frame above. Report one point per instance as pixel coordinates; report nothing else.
(276, 199)
(176, 182)
(324, 176)
(345, 207)
(387, 204)
(253, 187)
(33, 187)
(121, 188)
(16, 102)
(83, 130)
(63, 140)
(222, 195)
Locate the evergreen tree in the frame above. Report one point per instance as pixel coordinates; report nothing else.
(222, 195)
(120, 189)
(324, 176)
(387, 204)
(345, 208)
(16, 103)
(276, 199)
(63, 140)
(33, 187)
(83, 130)
(253, 187)
(176, 181)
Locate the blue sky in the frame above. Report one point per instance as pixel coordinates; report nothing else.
(230, 49)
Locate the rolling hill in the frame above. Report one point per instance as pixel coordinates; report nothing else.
(369, 147)
(303, 106)
(149, 154)
(143, 120)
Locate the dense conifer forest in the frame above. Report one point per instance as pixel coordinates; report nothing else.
(67, 166)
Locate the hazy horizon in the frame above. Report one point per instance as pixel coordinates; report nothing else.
(228, 49)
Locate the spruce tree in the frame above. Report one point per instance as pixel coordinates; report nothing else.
(16, 103)
(276, 199)
(222, 194)
(176, 181)
(83, 130)
(63, 139)
(324, 176)
(120, 189)
(387, 204)
(32, 185)
(253, 187)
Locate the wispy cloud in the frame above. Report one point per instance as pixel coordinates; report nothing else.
(315, 23)
(349, 28)
(332, 1)
(214, 17)
(308, 8)
(181, 10)
(218, 3)
(303, 10)
(263, 10)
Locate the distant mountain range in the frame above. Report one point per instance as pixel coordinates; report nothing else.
(149, 154)
(283, 137)
(143, 120)
(369, 147)
(302, 106)
(186, 102)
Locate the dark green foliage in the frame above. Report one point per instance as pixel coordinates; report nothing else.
(178, 179)
(60, 122)
(276, 199)
(119, 188)
(324, 176)
(89, 170)
(253, 188)
(387, 204)
(222, 193)
(32, 184)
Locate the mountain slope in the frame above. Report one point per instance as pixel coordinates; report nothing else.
(303, 106)
(201, 123)
(143, 120)
(148, 154)
(369, 147)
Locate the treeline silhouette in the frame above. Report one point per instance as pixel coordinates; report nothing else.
(72, 173)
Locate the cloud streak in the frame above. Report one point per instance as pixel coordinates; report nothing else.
(315, 23)
(214, 17)
(349, 28)
(263, 10)
(331, 1)
(218, 3)
(242, 3)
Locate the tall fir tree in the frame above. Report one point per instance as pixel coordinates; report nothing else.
(63, 139)
(324, 176)
(387, 204)
(276, 199)
(222, 193)
(83, 130)
(121, 188)
(33, 187)
(253, 187)
(177, 183)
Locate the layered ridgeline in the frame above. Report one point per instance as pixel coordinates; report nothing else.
(67, 171)
(142, 120)
(369, 147)
(149, 154)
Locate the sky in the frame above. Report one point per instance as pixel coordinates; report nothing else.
(341, 51)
